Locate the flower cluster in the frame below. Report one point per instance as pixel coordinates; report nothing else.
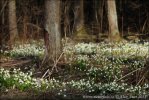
(105, 74)
(122, 50)
(107, 88)
(113, 55)
(23, 81)
(81, 62)
(20, 80)
(26, 50)
(84, 48)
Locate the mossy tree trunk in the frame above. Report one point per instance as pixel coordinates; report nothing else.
(52, 30)
(79, 15)
(79, 27)
(114, 34)
(13, 31)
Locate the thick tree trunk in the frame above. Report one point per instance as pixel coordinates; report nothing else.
(52, 29)
(13, 31)
(114, 34)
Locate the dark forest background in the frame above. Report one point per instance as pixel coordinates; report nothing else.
(133, 17)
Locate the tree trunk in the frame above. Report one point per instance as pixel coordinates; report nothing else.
(13, 31)
(52, 30)
(80, 33)
(114, 34)
(67, 21)
(78, 15)
(3, 4)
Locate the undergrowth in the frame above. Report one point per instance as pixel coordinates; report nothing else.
(103, 69)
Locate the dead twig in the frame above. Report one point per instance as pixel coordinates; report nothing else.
(54, 67)
(128, 74)
(3, 7)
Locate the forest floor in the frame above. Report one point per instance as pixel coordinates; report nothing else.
(85, 71)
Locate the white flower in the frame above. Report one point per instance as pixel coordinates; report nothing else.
(21, 81)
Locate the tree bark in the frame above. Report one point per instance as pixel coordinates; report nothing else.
(114, 34)
(78, 15)
(52, 30)
(80, 33)
(13, 31)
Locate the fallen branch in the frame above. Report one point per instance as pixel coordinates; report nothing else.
(14, 63)
(128, 74)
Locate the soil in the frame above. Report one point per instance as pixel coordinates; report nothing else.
(30, 95)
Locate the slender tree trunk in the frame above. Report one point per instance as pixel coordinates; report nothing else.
(52, 30)
(24, 35)
(78, 15)
(100, 13)
(114, 34)
(3, 4)
(13, 31)
(80, 33)
(67, 19)
(1, 22)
